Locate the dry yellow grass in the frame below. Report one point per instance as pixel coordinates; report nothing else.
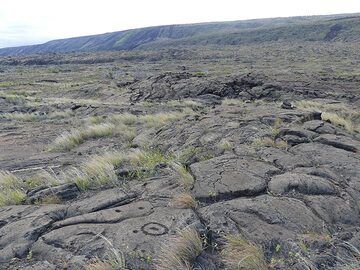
(240, 254)
(184, 200)
(225, 145)
(97, 171)
(181, 251)
(337, 120)
(69, 140)
(338, 114)
(233, 102)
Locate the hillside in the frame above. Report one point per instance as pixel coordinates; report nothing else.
(200, 157)
(314, 28)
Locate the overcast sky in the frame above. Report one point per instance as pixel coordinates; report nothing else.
(36, 21)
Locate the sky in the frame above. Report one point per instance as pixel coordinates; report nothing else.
(24, 22)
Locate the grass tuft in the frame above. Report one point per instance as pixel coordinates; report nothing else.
(97, 171)
(24, 117)
(115, 261)
(181, 251)
(338, 114)
(145, 161)
(233, 102)
(238, 253)
(338, 120)
(11, 189)
(187, 180)
(184, 200)
(69, 140)
(225, 145)
(100, 170)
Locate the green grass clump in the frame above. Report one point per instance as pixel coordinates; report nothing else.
(14, 99)
(98, 131)
(100, 170)
(12, 190)
(144, 161)
(240, 254)
(186, 179)
(189, 152)
(32, 117)
(149, 120)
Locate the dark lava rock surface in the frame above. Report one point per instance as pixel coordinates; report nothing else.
(274, 194)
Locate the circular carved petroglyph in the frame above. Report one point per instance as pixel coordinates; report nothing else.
(154, 228)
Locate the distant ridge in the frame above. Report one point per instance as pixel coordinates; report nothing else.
(342, 27)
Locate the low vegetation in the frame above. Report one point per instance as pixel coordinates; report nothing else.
(93, 173)
(24, 117)
(233, 102)
(115, 259)
(69, 140)
(338, 114)
(240, 254)
(97, 171)
(225, 145)
(115, 125)
(32, 117)
(184, 200)
(269, 142)
(181, 251)
(186, 179)
(12, 189)
(100, 170)
(150, 120)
